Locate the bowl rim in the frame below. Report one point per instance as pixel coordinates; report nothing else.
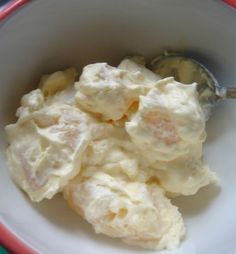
(7, 237)
(13, 242)
(10, 6)
(232, 3)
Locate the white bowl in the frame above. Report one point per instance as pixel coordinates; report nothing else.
(45, 36)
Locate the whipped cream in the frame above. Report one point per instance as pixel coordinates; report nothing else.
(118, 143)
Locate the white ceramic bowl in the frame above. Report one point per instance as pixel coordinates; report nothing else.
(45, 36)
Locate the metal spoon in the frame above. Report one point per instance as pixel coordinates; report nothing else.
(187, 70)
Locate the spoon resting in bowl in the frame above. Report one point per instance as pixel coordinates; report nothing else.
(187, 70)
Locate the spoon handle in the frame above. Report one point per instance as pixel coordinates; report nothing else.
(231, 93)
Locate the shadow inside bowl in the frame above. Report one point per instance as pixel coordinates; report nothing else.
(198, 203)
(218, 123)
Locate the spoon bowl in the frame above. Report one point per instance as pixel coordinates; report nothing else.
(187, 71)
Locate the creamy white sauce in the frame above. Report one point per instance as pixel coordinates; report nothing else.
(118, 143)
(110, 91)
(168, 121)
(138, 213)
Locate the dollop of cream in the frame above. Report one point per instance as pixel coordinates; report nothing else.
(109, 91)
(184, 175)
(169, 120)
(138, 213)
(113, 153)
(46, 144)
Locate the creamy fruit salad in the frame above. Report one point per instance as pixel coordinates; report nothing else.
(119, 143)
